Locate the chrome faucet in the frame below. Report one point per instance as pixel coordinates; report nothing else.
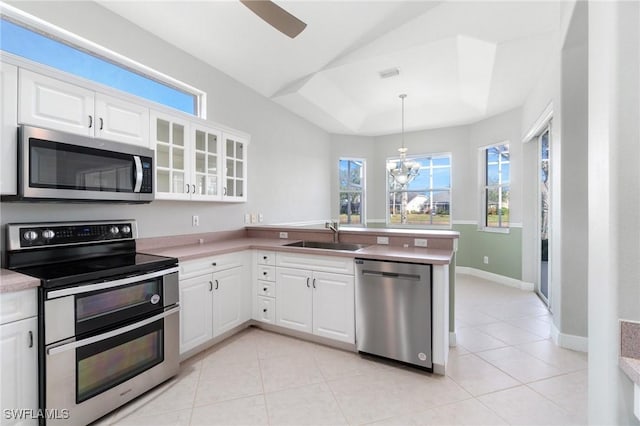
(334, 227)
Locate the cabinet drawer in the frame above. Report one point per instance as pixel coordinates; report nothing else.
(266, 273)
(192, 268)
(18, 305)
(334, 264)
(266, 288)
(266, 258)
(266, 310)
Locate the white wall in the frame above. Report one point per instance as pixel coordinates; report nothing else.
(614, 225)
(288, 157)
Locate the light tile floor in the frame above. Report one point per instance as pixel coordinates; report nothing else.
(505, 370)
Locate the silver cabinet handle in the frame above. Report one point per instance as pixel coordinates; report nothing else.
(90, 121)
(224, 191)
(113, 333)
(264, 289)
(210, 286)
(187, 188)
(214, 264)
(30, 338)
(101, 123)
(217, 285)
(264, 310)
(194, 188)
(307, 282)
(314, 283)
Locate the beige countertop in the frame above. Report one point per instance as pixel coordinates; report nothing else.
(13, 281)
(383, 252)
(631, 367)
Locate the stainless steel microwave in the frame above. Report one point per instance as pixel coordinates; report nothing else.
(56, 166)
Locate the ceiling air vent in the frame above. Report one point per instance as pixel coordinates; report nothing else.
(391, 72)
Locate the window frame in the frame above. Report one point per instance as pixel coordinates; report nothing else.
(362, 191)
(485, 186)
(55, 33)
(432, 189)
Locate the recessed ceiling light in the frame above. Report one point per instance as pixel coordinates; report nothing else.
(391, 72)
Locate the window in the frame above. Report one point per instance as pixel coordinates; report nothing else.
(351, 173)
(46, 50)
(496, 186)
(426, 199)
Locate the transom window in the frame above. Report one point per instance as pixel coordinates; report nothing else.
(427, 198)
(44, 49)
(496, 186)
(351, 172)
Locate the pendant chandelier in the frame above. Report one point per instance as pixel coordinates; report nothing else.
(403, 171)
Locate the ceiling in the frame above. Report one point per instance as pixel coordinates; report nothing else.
(459, 62)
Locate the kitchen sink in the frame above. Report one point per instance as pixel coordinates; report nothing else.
(326, 246)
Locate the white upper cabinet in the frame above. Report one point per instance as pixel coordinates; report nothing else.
(206, 162)
(122, 121)
(235, 166)
(55, 104)
(8, 129)
(169, 136)
(195, 161)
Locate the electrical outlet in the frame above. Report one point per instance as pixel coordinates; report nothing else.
(485, 260)
(247, 218)
(284, 235)
(383, 240)
(254, 218)
(260, 217)
(195, 220)
(420, 242)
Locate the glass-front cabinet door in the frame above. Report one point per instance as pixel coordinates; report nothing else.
(170, 136)
(207, 158)
(235, 165)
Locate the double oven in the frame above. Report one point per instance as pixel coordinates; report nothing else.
(108, 316)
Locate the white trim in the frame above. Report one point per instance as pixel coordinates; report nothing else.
(491, 230)
(55, 32)
(464, 222)
(453, 342)
(515, 225)
(499, 279)
(569, 341)
(539, 125)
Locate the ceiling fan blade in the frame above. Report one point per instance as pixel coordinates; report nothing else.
(276, 16)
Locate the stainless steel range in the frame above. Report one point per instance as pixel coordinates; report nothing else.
(108, 316)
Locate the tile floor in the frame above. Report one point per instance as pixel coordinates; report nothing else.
(505, 370)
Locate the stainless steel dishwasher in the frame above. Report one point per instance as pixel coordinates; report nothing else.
(393, 311)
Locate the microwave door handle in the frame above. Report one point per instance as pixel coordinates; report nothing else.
(138, 185)
(100, 337)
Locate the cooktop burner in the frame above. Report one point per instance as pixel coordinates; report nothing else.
(72, 253)
(83, 271)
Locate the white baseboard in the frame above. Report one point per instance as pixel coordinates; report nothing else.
(569, 341)
(500, 279)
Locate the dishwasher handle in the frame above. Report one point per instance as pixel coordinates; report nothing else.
(408, 277)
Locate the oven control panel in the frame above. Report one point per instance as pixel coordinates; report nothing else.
(64, 233)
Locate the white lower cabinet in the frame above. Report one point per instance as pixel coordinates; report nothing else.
(211, 304)
(316, 302)
(196, 312)
(18, 358)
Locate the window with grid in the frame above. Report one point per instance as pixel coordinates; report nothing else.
(427, 196)
(351, 172)
(496, 186)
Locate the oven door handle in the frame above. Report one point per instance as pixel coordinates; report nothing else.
(109, 284)
(74, 345)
